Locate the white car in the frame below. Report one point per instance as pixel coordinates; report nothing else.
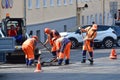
(106, 36)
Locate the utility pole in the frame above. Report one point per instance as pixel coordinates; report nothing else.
(77, 15)
(103, 2)
(25, 11)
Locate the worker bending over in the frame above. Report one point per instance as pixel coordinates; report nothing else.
(63, 46)
(28, 48)
(49, 34)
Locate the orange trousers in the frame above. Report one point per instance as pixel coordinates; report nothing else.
(29, 52)
(53, 48)
(88, 46)
(66, 53)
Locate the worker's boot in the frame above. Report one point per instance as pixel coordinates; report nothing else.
(66, 61)
(27, 61)
(60, 62)
(83, 61)
(31, 62)
(91, 58)
(91, 61)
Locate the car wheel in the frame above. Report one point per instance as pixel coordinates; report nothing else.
(118, 42)
(74, 43)
(108, 43)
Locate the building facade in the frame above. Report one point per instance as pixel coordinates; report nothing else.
(100, 11)
(60, 14)
(55, 14)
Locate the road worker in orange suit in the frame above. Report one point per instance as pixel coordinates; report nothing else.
(88, 42)
(28, 48)
(49, 34)
(63, 46)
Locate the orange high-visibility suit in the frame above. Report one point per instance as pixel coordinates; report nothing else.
(28, 47)
(50, 38)
(88, 42)
(63, 46)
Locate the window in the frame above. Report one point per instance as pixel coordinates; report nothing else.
(102, 28)
(91, 19)
(65, 28)
(58, 2)
(108, 18)
(105, 18)
(96, 18)
(44, 3)
(100, 19)
(82, 20)
(87, 19)
(38, 34)
(70, 1)
(31, 33)
(65, 2)
(37, 3)
(51, 3)
(29, 4)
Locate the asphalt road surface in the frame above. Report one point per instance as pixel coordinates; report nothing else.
(103, 68)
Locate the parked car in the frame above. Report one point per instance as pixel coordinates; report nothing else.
(117, 30)
(106, 36)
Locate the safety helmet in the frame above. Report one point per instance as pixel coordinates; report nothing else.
(47, 30)
(94, 27)
(35, 37)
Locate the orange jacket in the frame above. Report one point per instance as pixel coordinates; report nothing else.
(28, 47)
(90, 34)
(88, 40)
(63, 46)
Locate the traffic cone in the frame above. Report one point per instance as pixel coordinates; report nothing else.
(113, 54)
(38, 67)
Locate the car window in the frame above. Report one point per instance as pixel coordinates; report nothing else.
(116, 29)
(103, 27)
(86, 26)
(100, 27)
